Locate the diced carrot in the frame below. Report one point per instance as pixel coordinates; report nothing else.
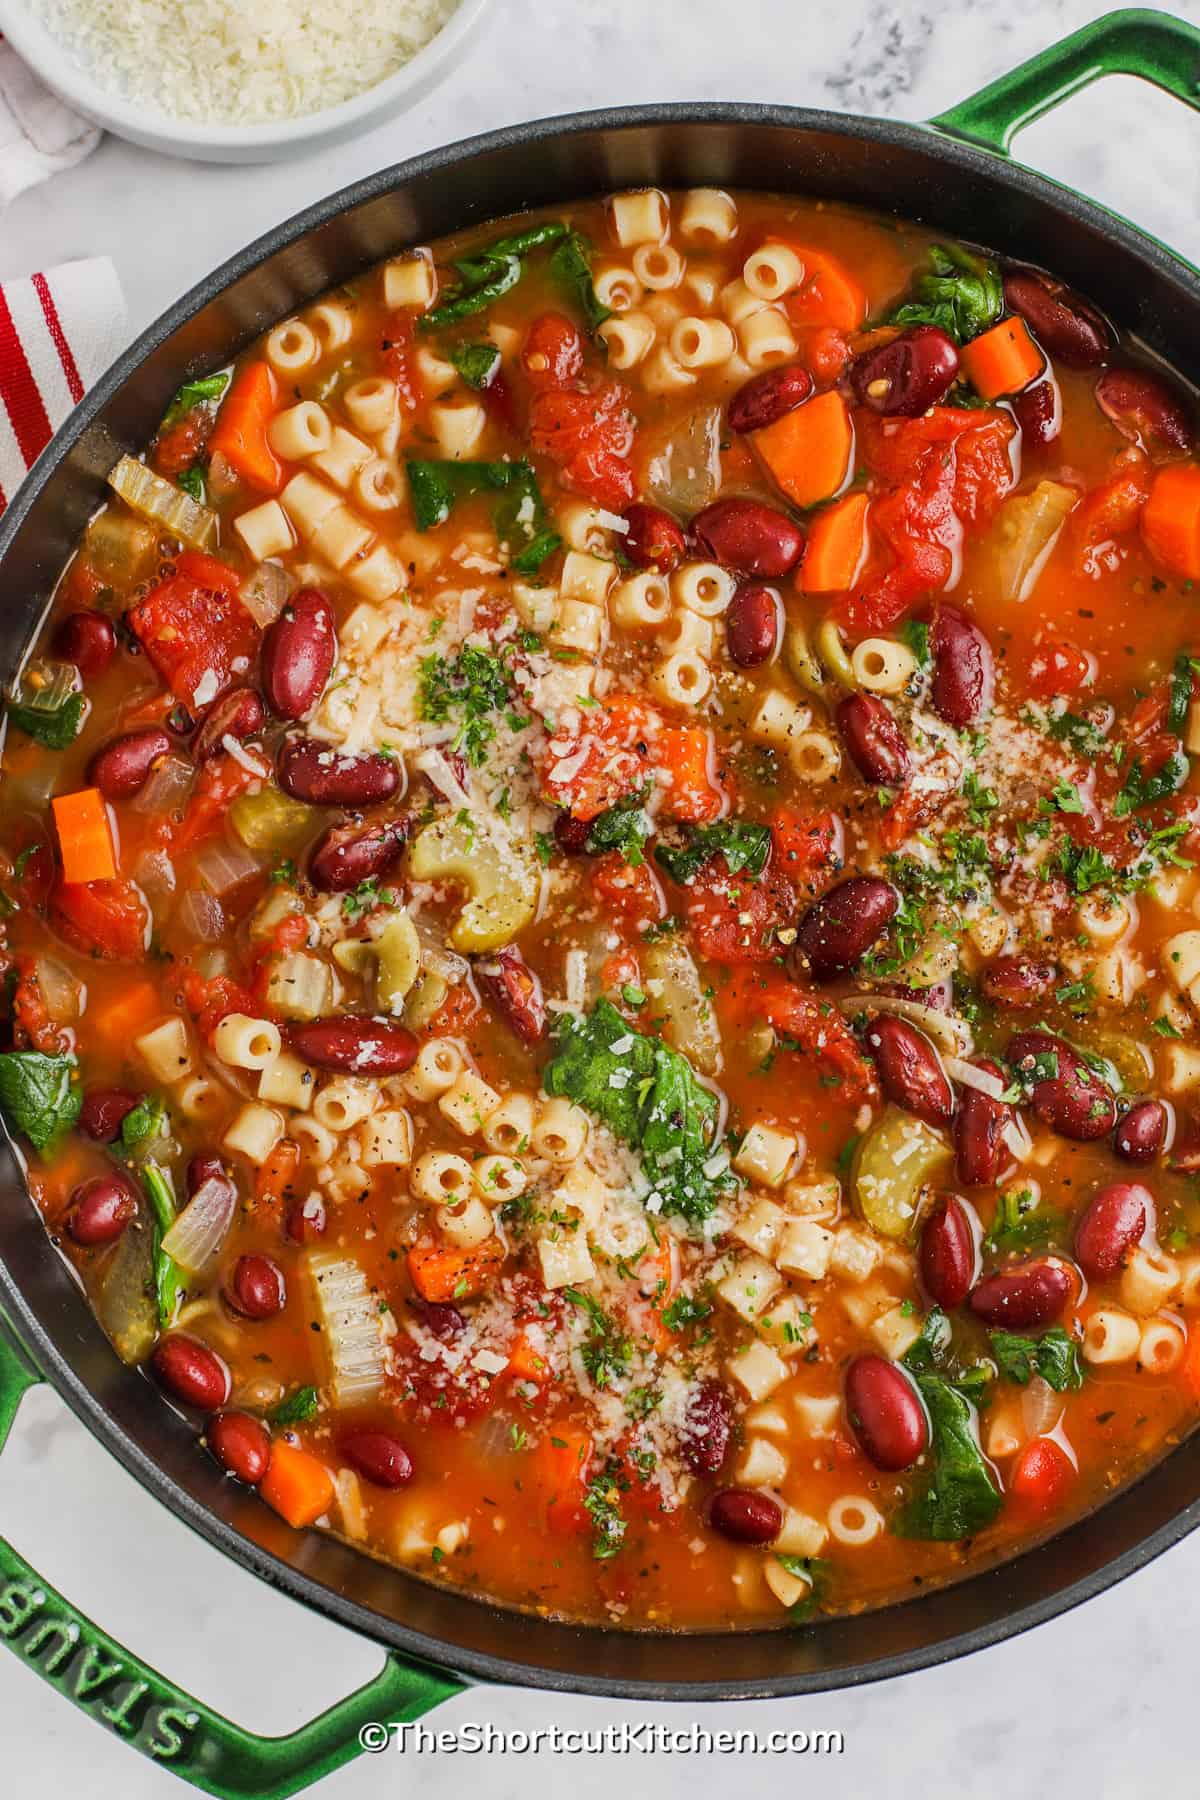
(1171, 519)
(85, 840)
(1003, 361)
(121, 1020)
(686, 751)
(808, 450)
(525, 1363)
(836, 548)
(828, 295)
(296, 1484)
(277, 1175)
(240, 434)
(563, 1463)
(1042, 1476)
(441, 1273)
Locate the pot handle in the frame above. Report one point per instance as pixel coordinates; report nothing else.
(114, 1687)
(1152, 45)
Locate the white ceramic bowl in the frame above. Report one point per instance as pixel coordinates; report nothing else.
(269, 142)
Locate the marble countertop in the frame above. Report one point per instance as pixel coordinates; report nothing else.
(1098, 1703)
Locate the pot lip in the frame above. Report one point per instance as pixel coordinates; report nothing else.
(51, 1362)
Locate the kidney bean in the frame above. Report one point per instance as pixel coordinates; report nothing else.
(379, 1457)
(102, 1112)
(744, 1516)
(654, 539)
(949, 1258)
(908, 375)
(101, 1209)
(1141, 1134)
(979, 1122)
(1038, 411)
(297, 654)
(319, 775)
(355, 1045)
(241, 1444)
(747, 536)
(705, 1428)
(939, 995)
(256, 1287)
(1070, 1097)
(1148, 410)
(1022, 1298)
(204, 1166)
(87, 639)
(306, 1219)
(571, 834)
(767, 397)
(885, 1412)
(1064, 323)
(191, 1371)
(123, 766)
(752, 625)
(874, 740)
(838, 929)
(237, 714)
(515, 991)
(349, 854)
(1018, 981)
(1112, 1222)
(963, 669)
(439, 1318)
(909, 1070)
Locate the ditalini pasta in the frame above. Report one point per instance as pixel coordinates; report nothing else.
(602, 838)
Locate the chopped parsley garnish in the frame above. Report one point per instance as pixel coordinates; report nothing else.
(472, 688)
(744, 847)
(602, 1503)
(1019, 1222)
(1080, 735)
(981, 801)
(624, 827)
(915, 633)
(299, 1406)
(685, 1310)
(607, 1352)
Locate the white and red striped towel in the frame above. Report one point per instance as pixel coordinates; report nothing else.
(58, 332)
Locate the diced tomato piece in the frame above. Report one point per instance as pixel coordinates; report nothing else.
(910, 810)
(1113, 508)
(590, 436)
(734, 918)
(620, 970)
(810, 1026)
(602, 758)
(220, 780)
(562, 1467)
(457, 1013)
(102, 918)
(1043, 1475)
(177, 448)
(808, 847)
(629, 891)
(697, 792)
(396, 357)
(84, 584)
(824, 352)
(195, 630)
(211, 1001)
(1058, 667)
(552, 355)
(32, 1026)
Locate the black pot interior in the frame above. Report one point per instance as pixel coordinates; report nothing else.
(903, 170)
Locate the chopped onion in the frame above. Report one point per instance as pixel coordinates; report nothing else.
(1041, 1407)
(162, 503)
(44, 686)
(436, 957)
(685, 469)
(438, 771)
(265, 592)
(168, 786)
(350, 1320)
(967, 1075)
(223, 867)
(203, 1225)
(1016, 1136)
(59, 989)
(948, 1033)
(212, 962)
(202, 915)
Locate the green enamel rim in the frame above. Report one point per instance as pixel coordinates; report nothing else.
(79, 1659)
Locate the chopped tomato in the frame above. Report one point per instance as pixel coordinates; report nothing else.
(629, 891)
(735, 918)
(590, 436)
(211, 1001)
(1113, 508)
(32, 1026)
(1043, 1475)
(697, 791)
(824, 352)
(620, 970)
(220, 780)
(290, 933)
(84, 584)
(1058, 667)
(562, 1466)
(602, 758)
(552, 355)
(396, 356)
(103, 918)
(809, 847)
(808, 1026)
(457, 1013)
(910, 810)
(195, 630)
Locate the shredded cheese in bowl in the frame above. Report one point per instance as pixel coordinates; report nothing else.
(242, 62)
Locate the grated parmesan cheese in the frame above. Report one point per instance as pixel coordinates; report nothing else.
(242, 62)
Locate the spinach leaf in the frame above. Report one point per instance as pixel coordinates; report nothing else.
(1020, 1224)
(192, 482)
(55, 729)
(520, 517)
(624, 827)
(530, 560)
(571, 267)
(464, 303)
(1180, 694)
(147, 1120)
(38, 1095)
(193, 394)
(933, 1346)
(483, 264)
(816, 1571)
(1054, 1356)
(1141, 789)
(299, 1406)
(647, 1095)
(476, 363)
(744, 847)
(958, 1497)
(170, 1283)
(960, 293)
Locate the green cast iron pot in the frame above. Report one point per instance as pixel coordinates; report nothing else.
(953, 174)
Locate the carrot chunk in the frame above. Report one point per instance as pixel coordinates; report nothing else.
(808, 450)
(1171, 519)
(685, 752)
(828, 294)
(240, 434)
(128, 1016)
(296, 1484)
(85, 839)
(1003, 361)
(837, 547)
(441, 1273)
